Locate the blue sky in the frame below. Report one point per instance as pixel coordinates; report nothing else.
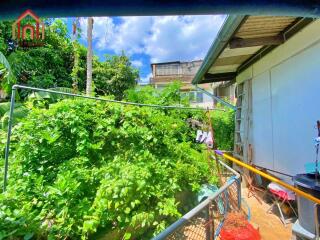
(152, 39)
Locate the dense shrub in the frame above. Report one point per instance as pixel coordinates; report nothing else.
(222, 121)
(223, 126)
(82, 166)
(170, 95)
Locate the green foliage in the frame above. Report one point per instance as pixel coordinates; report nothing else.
(43, 67)
(145, 94)
(77, 69)
(5, 34)
(46, 98)
(82, 166)
(19, 113)
(7, 78)
(223, 126)
(62, 63)
(46, 66)
(168, 96)
(114, 76)
(4, 107)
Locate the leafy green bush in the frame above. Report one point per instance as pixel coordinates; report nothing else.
(114, 76)
(7, 78)
(223, 126)
(81, 167)
(61, 63)
(170, 95)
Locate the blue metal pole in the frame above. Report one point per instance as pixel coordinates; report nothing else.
(238, 182)
(6, 157)
(217, 98)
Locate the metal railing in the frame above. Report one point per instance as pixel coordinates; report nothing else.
(206, 219)
(316, 220)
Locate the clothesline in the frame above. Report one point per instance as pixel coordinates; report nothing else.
(16, 87)
(116, 101)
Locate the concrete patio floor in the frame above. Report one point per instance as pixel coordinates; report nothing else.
(269, 224)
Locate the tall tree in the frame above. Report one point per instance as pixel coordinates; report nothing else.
(47, 66)
(89, 56)
(114, 76)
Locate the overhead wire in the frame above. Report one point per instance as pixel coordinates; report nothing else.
(16, 87)
(116, 101)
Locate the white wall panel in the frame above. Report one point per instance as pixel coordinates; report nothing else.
(262, 121)
(295, 86)
(286, 102)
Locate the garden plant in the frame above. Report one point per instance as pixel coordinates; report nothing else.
(80, 167)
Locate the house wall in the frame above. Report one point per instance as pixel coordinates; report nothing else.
(285, 102)
(165, 73)
(181, 68)
(207, 101)
(226, 92)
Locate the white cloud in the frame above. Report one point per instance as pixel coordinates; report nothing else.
(146, 79)
(163, 38)
(137, 63)
(181, 37)
(103, 28)
(127, 35)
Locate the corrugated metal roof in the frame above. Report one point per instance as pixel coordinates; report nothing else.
(254, 35)
(261, 26)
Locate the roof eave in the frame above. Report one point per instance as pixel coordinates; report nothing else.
(228, 29)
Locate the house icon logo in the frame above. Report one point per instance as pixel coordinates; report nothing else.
(28, 30)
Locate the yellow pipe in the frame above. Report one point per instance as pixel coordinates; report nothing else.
(272, 179)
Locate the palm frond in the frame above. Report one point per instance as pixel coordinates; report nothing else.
(18, 114)
(5, 107)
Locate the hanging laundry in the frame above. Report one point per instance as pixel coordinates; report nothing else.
(199, 135)
(209, 140)
(204, 137)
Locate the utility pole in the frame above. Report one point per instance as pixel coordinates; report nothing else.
(89, 56)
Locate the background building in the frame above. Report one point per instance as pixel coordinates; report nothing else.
(225, 90)
(167, 72)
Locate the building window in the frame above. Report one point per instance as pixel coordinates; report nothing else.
(199, 97)
(195, 97)
(167, 70)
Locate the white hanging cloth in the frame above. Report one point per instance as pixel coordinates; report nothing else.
(199, 135)
(204, 137)
(209, 140)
